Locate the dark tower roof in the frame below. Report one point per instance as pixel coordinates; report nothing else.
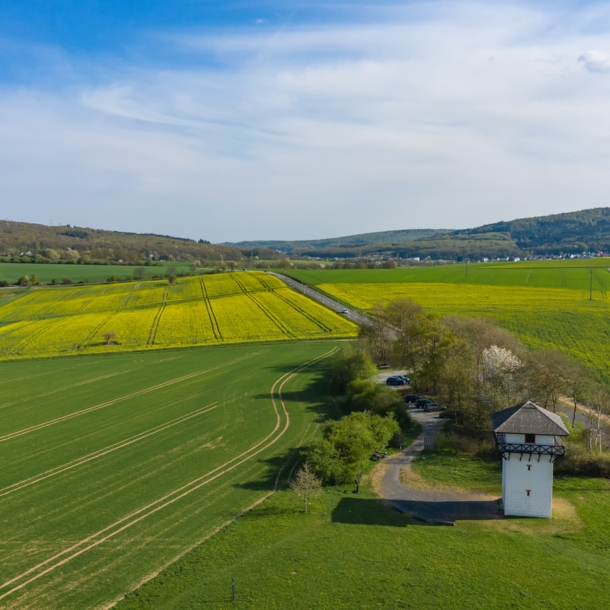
(528, 418)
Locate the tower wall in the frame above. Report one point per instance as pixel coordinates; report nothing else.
(517, 478)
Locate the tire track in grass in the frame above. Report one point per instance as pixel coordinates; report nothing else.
(210, 310)
(67, 387)
(155, 325)
(142, 513)
(109, 403)
(104, 451)
(280, 325)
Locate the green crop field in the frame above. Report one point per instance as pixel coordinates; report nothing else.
(213, 309)
(46, 273)
(575, 274)
(352, 551)
(114, 466)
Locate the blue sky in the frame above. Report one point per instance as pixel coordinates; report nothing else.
(279, 120)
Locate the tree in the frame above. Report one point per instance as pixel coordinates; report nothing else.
(351, 364)
(547, 376)
(404, 316)
(378, 335)
(232, 265)
(306, 485)
(171, 278)
(109, 337)
(139, 273)
(285, 264)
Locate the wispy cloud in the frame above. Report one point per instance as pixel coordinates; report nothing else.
(453, 114)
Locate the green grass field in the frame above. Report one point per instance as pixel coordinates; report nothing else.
(206, 310)
(574, 274)
(355, 552)
(11, 272)
(115, 466)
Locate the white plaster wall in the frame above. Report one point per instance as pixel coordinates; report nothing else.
(519, 439)
(517, 479)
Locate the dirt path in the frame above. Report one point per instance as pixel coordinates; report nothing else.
(428, 505)
(582, 409)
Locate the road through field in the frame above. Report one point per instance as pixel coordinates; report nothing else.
(98, 525)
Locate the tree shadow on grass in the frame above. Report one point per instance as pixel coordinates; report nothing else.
(368, 511)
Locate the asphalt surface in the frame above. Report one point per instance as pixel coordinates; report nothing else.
(432, 506)
(354, 316)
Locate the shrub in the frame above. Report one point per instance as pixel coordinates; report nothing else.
(349, 365)
(4, 284)
(67, 280)
(347, 446)
(113, 278)
(580, 461)
(465, 445)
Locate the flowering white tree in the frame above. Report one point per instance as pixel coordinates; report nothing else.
(500, 367)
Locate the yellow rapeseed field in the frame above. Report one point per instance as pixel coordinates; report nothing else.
(215, 309)
(544, 318)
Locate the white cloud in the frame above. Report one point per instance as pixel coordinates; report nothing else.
(596, 61)
(320, 131)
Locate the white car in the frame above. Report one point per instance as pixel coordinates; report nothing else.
(344, 311)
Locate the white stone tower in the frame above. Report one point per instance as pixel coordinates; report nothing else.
(527, 437)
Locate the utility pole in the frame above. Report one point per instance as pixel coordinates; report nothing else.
(591, 285)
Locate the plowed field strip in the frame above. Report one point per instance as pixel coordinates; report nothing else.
(150, 509)
(165, 384)
(106, 450)
(67, 387)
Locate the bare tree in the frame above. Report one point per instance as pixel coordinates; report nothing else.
(109, 337)
(306, 485)
(378, 335)
(600, 407)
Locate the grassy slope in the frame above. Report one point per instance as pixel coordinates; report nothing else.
(354, 552)
(225, 308)
(52, 514)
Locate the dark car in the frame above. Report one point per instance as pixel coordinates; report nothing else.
(396, 381)
(410, 399)
(405, 378)
(422, 402)
(432, 407)
(451, 414)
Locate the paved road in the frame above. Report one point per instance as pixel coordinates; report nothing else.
(356, 317)
(446, 505)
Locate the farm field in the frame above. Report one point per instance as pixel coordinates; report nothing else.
(114, 466)
(352, 551)
(574, 275)
(11, 272)
(204, 310)
(543, 318)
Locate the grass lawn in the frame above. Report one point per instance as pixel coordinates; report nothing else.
(352, 551)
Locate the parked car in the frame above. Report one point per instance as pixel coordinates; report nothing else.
(396, 381)
(431, 407)
(405, 378)
(422, 402)
(383, 367)
(451, 414)
(378, 455)
(410, 399)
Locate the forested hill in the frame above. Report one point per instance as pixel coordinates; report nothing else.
(587, 230)
(340, 243)
(50, 243)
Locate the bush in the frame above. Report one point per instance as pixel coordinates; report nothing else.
(114, 278)
(465, 445)
(349, 365)
(580, 461)
(365, 395)
(67, 280)
(24, 280)
(347, 446)
(4, 284)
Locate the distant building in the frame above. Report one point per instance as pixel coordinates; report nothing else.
(527, 436)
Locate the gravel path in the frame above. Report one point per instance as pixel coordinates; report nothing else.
(442, 505)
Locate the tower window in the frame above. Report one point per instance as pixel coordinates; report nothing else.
(528, 491)
(530, 438)
(529, 466)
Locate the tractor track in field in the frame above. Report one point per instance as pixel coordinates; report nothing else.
(94, 540)
(210, 310)
(105, 450)
(67, 387)
(157, 320)
(57, 420)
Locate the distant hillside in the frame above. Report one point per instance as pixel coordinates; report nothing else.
(351, 241)
(82, 244)
(586, 230)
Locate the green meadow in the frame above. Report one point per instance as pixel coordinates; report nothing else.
(353, 551)
(115, 466)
